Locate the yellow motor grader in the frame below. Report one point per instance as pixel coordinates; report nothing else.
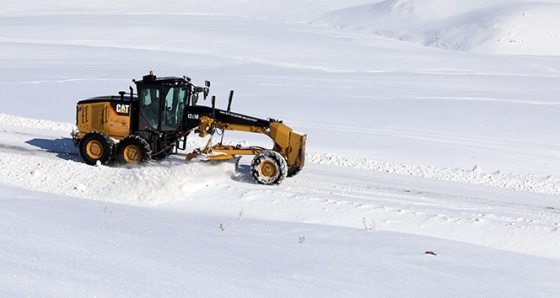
(155, 122)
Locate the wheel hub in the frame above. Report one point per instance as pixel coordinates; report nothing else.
(132, 154)
(95, 149)
(268, 169)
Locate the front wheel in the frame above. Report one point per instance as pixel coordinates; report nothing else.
(269, 167)
(133, 149)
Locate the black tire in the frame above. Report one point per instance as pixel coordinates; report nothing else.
(133, 149)
(293, 171)
(96, 146)
(269, 167)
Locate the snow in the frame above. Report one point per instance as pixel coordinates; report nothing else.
(432, 127)
(498, 27)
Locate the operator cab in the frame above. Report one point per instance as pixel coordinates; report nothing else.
(161, 106)
(162, 102)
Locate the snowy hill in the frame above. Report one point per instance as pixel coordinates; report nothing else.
(497, 27)
(432, 165)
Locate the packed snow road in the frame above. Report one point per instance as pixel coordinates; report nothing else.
(502, 211)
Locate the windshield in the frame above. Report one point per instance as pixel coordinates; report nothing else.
(174, 107)
(169, 102)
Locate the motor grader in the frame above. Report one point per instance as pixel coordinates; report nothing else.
(155, 122)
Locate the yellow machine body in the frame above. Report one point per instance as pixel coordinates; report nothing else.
(103, 116)
(288, 143)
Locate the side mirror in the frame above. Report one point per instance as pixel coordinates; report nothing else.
(207, 84)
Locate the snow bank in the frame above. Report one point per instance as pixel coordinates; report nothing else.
(530, 183)
(23, 122)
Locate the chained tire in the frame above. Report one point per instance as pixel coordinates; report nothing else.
(133, 149)
(96, 146)
(269, 168)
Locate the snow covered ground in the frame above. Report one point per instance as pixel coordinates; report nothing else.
(432, 127)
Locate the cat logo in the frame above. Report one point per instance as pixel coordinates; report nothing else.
(122, 108)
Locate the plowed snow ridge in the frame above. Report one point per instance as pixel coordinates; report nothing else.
(529, 183)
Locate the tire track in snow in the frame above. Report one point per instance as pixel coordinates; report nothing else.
(499, 218)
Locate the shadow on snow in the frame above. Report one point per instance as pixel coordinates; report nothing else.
(64, 148)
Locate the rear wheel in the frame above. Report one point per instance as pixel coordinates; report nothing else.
(96, 146)
(133, 149)
(269, 167)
